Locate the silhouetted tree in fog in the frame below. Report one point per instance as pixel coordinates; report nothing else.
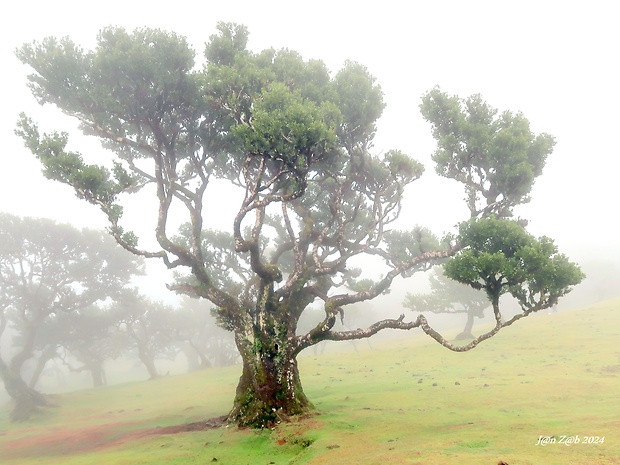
(147, 328)
(451, 297)
(88, 340)
(48, 269)
(198, 336)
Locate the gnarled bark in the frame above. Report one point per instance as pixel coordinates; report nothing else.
(269, 388)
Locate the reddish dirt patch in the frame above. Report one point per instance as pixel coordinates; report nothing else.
(203, 425)
(65, 441)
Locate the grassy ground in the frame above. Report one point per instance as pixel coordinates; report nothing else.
(403, 402)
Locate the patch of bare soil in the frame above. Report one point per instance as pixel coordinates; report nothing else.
(65, 441)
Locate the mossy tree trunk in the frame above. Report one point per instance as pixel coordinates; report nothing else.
(269, 389)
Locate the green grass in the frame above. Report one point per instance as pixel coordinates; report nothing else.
(404, 402)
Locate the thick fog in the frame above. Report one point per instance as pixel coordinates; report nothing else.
(555, 64)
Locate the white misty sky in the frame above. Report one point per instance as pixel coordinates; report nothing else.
(556, 61)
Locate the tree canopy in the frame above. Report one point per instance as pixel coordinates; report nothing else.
(496, 157)
(296, 141)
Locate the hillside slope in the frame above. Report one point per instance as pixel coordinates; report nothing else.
(548, 379)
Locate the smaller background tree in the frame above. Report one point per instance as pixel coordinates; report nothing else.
(48, 270)
(88, 340)
(450, 297)
(198, 336)
(147, 328)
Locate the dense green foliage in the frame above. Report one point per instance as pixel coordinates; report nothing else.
(499, 256)
(497, 158)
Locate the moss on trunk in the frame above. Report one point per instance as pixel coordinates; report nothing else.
(269, 390)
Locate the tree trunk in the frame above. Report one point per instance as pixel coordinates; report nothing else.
(196, 358)
(98, 373)
(38, 371)
(466, 333)
(269, 390)
(48, 353)
(193, 361)
(148, 361)
(27, 400)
